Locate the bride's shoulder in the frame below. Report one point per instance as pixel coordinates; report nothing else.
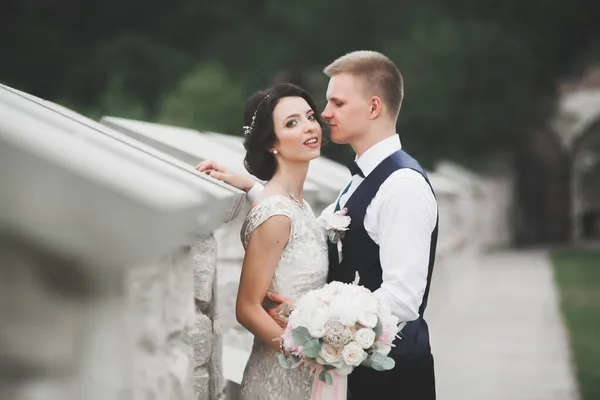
(272, 199)
(273, 203)
(263, 210)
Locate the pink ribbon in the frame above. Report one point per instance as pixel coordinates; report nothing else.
(323, 391)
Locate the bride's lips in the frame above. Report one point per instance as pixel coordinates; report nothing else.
(312, 142)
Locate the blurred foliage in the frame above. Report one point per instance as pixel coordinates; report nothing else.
(479, 74)
(205, 99)
(577, 276)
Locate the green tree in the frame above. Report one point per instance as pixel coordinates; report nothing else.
(129, 71)
(205, 99)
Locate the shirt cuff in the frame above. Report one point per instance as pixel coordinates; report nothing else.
(254, 192)
(397, 308)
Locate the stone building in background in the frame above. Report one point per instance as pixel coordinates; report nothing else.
(578, 127)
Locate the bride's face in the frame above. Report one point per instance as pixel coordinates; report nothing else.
(297, 130)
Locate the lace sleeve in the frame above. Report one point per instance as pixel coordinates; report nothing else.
(268, 207)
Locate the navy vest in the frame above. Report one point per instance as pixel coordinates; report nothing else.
(360, 254)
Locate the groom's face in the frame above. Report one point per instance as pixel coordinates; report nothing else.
(347, 109)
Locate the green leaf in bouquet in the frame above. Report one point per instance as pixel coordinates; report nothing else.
(283, 309)
(378, 328)
(367, 361)
(312, 348)
(379, 362)
(326, 377)
(401, 325)
(301, 336)
(283, 361)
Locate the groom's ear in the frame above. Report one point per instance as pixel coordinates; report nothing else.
(375, 107)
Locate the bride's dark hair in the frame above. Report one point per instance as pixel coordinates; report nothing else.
(260, 130)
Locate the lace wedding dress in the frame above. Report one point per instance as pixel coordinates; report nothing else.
(303, 267)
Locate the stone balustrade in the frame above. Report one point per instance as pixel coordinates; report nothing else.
(108, 262)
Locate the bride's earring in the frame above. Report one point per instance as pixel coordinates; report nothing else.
(275, 152)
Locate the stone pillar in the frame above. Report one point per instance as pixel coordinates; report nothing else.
(205, 337)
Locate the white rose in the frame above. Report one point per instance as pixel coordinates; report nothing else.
(330, 354)
(366, 301)
(316, 323)
(383, 348)
(335, 221)
(365, 337)
(368, 319)
(353, 354)
(343, 310)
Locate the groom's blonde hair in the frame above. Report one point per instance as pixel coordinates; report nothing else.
(379, 74)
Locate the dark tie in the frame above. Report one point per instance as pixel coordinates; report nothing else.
(355, 169)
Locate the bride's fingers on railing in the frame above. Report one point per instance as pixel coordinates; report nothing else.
(207, 166)
(217, 175)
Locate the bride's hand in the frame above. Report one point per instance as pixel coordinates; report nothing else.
(221, 173)
(280, 313)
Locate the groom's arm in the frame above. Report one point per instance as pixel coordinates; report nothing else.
(405, 214)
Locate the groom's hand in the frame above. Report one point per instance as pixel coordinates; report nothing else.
(281, 312)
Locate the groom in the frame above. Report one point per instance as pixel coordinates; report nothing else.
(392, 238)
(393, 234)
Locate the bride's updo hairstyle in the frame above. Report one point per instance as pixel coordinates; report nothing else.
(259, 130)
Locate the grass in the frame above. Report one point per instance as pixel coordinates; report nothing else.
(578, 277)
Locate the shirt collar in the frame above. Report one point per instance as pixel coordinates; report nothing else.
(374, 155)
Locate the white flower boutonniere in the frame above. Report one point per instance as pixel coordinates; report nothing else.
(336, 225)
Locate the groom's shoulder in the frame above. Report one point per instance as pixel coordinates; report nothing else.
(406, 176)
(407, 183)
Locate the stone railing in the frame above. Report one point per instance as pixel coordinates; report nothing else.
(108, 261)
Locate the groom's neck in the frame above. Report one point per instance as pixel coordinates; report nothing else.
(369, 139)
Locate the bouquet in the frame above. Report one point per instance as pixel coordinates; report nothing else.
(337, 328)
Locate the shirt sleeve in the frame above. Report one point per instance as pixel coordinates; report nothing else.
(405, 214)
(254, 192)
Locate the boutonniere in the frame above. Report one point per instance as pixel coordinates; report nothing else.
(336, 225)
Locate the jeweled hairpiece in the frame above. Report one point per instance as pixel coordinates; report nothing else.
(248, 129)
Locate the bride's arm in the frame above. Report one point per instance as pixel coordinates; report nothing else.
(242, 182)
(263, 253)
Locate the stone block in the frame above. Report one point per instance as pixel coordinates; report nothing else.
(202, 383)
(179, 282)
(204, 256)
(200, 339)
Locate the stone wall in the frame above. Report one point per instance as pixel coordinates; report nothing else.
(107, 262)
(206, 337)
(178, 347)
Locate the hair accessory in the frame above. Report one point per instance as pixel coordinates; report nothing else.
(248, 129)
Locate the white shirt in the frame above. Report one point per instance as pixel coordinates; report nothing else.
(400, 219)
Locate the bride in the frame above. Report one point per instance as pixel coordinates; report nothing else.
(286, 249)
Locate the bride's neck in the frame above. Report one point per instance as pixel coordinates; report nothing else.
(292, 177)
